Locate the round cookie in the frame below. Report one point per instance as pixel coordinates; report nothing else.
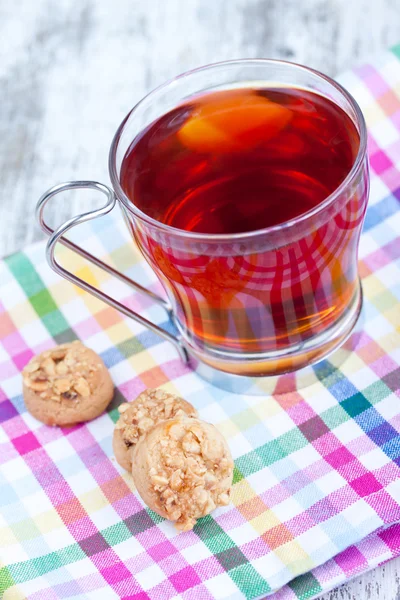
(183, 469)
(137, 417)
(66, 385)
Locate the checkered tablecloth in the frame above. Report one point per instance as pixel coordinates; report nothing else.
(316, 495)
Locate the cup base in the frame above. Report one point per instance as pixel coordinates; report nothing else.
(309, 364)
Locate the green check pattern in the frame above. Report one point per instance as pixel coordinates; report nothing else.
(316, 494)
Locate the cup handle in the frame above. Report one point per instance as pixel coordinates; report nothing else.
(58, 236)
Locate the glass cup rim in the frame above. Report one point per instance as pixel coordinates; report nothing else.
(224, 237)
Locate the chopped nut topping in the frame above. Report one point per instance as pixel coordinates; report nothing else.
(157, 480)
(32, 366)
(59, 353)
(223, 499)
(188, 482)
(49, 366)
(145, 424)
(151, 407)
(190, 445)
(64, 373)
(177, 431)
(61, 368)
(37, 385)
(82, 387)
(62, 385)
(176, 480)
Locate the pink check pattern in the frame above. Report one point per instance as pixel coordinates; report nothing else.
(316, 495)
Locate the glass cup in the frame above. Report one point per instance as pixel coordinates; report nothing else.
(250, 308)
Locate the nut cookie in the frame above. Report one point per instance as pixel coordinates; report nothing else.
(183, 469)
(137, 417)
(66, 385)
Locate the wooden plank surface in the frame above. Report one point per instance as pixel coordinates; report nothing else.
(71, 69)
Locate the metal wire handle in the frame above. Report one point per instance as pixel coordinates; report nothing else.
(58, 236)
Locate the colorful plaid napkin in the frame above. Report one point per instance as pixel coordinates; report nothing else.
(316, 496)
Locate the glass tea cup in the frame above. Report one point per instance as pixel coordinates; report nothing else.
(253, 309)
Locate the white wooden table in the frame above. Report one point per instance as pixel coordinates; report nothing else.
(71, 69)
